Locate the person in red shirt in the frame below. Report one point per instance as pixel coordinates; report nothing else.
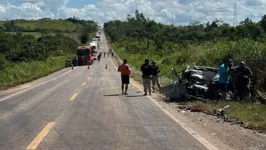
(125, 72)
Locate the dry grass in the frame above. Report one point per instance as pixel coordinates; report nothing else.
(253, 115)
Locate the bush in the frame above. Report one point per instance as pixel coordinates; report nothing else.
(2, 61)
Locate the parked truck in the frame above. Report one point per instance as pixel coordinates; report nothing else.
(85, 55)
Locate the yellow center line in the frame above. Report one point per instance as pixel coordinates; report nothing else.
(74, 96)
(84, 83)
(34, 144)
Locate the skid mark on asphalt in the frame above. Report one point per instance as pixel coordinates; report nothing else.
(34, 144)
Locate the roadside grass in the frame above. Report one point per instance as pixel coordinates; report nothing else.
(62, 25)
(18, 73)
(253, 115)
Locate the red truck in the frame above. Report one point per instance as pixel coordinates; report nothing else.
(85, 55)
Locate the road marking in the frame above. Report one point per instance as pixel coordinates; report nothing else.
(84, 83)
(203, 141)
(34, 144)
(12, 95)
(74, 96)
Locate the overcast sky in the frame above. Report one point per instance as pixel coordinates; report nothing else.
(180, 12)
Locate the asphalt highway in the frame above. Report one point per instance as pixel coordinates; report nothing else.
(83, 109)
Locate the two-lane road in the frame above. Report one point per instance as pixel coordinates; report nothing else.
(84, 109)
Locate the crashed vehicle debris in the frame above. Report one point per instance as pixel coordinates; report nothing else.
(198, 82)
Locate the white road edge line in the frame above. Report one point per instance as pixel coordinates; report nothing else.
(12, 95)
(202, 140)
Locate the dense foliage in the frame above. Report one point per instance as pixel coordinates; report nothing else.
(18, 48)
(201, 44)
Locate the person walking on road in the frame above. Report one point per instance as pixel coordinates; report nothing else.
(99, 57)
(146, 70)
(125, 72)
(155, 76)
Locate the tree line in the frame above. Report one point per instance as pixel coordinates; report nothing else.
(145, 29)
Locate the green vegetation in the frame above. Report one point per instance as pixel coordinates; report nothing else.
(22, 72)
(36, 34)
(84, 37)
(252, 115)
(62, 25)
(199, 44)
(48, 25)
(33, 52)
(207, 44)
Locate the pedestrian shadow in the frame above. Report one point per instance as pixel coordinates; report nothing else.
(135, 96)
(112, 95)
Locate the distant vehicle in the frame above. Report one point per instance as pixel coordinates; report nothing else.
(85, 55)
(98, 36)
(96, 39)
(94, 46)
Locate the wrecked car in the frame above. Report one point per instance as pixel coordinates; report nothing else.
(198, 82)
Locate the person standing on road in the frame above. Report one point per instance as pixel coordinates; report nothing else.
(125, 72)
(146, 70)
(99, 57)
(155, 76)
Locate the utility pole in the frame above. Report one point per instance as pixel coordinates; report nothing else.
(235, 15)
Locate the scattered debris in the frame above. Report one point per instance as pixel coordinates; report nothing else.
(212, 133)
(183, 111)
(227, 106)
(195, 110)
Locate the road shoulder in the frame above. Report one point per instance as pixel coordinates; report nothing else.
(222, 135)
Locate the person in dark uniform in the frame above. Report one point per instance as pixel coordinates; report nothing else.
(155, 76)
(243, 74)
(146, 70)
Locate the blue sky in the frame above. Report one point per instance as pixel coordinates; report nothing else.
(179, 12)
(80, 3)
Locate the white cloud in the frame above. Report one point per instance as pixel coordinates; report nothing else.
(165, 11)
